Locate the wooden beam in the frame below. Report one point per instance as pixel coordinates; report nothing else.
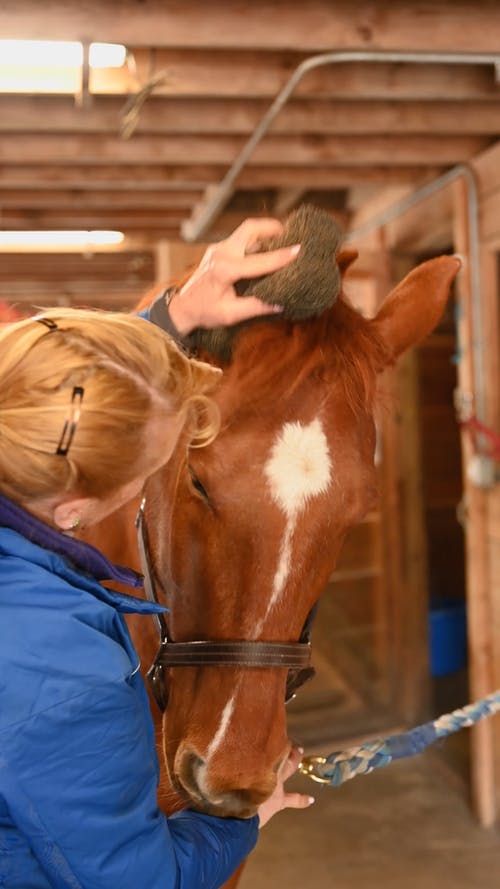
(167, 116)
(86, 176)
(426, 227)
(379, 24)
(119, 300)
(76, 218)
(480, 613)
(489, 219)
(412, 233)
(154, 149)
(191, 75)
(486, 169)
(43, 269)
(14, 290)
(162, 224)
(238, 74)
(86, 200)
(163, 177)
(174, 257)
(287, 199)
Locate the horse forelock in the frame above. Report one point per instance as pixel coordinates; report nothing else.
(272, 359)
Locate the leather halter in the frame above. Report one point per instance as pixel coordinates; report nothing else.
(295, 656)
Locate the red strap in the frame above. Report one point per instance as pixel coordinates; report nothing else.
(475, 428)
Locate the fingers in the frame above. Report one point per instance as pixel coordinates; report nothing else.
(291, 764)
(294, 800)
(280, 799)
(297, 801)
(243, 308)
(251, 231)
(208, 298)
(263, 263)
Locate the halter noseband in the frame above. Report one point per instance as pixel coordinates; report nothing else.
(295, 656)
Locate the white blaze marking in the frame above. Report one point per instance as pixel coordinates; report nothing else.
(298, 469)
(221, 731)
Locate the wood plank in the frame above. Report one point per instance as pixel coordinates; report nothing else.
(81, 218)
(154, 149)
(494, 523)
(169, 116)
(43, 270)
(100, 199)
(247, 75)
(409, 24)
(489, 216)
(490, 277)
(90, 176)
(413, 607)
(121, 300)
(163, 177)
(174, 257)
(479, 603)
(410, 232)
(487, 169)
(151, 224)
(253, 74)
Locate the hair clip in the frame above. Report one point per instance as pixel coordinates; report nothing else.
(48, 322)
(71, 421)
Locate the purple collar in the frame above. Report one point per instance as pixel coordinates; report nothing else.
(84, 556)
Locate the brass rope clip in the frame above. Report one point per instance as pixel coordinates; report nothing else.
(309, 765)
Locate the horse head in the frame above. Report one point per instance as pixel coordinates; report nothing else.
(244, 534)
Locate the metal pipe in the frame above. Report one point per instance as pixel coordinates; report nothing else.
(192, 229)
(474, 267)
(219, 194)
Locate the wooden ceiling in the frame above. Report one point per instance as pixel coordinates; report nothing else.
(200, 77)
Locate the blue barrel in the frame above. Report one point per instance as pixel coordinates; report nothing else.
(447, 637)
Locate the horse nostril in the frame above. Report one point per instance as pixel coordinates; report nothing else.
(190, 773)
(193, 782)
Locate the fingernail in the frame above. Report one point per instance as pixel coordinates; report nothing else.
(277, 308)
(311, 800)
(295, 249)
(301, 750)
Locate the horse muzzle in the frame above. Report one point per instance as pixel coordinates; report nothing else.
(206, 792)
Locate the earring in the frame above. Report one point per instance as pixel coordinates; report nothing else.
(74, 524)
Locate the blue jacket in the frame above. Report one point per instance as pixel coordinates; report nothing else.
(78, 765)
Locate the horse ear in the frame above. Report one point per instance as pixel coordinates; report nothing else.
(413, 309)
(345, 258)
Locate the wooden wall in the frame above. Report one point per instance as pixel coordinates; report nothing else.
(437, 359)
(485, 581)
(433, 226)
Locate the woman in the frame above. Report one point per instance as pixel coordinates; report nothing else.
(91, 405)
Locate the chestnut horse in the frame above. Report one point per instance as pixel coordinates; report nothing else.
(244, 534)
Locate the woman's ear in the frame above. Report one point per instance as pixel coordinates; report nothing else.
(69, 513)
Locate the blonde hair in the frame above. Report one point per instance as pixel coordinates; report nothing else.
(130, 372)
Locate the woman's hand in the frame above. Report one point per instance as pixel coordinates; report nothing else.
(280, 799)
(209, 299)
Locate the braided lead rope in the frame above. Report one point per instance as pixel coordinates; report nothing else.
(340, 766)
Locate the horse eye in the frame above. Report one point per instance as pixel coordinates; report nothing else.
(197, 485)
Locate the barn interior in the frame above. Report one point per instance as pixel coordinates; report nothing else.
(119, 166)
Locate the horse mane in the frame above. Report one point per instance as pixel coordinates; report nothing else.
(339, 345)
